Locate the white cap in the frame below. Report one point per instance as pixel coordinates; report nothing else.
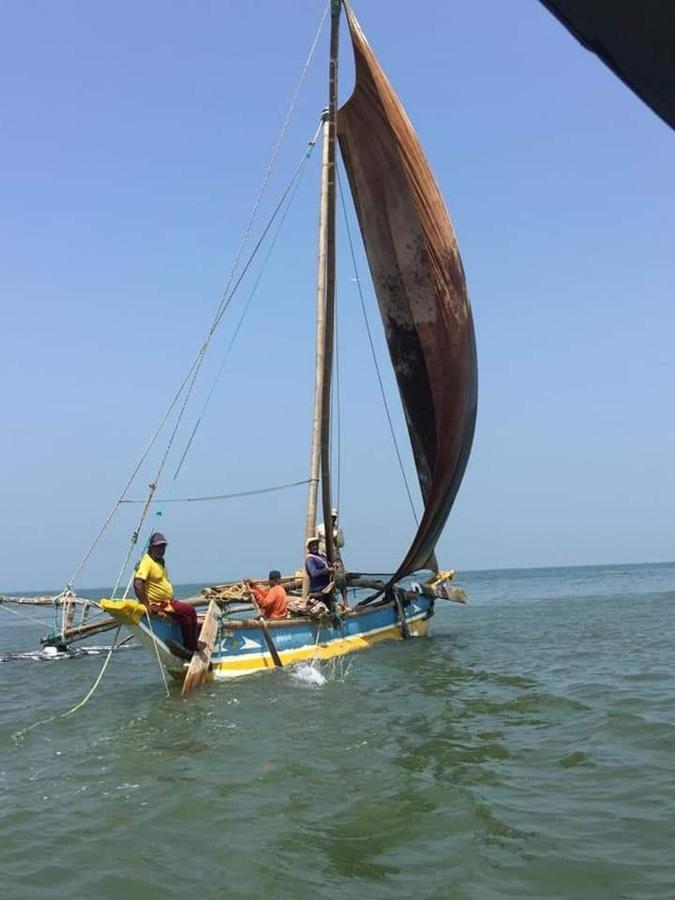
(334, 511)
(312, 540)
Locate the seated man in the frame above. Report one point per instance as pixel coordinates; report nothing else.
(273, 603)
(319, 570)
(154, 590)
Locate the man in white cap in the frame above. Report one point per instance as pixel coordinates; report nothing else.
(318, 587)
(338, 537)
(319, 570)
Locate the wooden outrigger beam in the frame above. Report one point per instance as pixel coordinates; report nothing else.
(439, 592)
(46, 600)
(80, 632)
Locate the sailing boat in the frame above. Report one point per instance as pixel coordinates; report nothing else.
(421, 292)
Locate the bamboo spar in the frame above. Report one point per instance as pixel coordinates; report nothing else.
(330, 279)
(310, 525)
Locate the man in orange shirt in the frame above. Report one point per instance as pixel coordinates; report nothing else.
(274, 602)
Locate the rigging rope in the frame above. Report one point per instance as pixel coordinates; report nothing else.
(90, 693)
(277, 146)
(130, 480)
(372, 351)
(252, 493)
(188, 384)
(15, 612)
(159, 661)
(308, 153)
(200, 359)
(196, 363)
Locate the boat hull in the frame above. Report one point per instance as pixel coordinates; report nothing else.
(236, 654)
(240, 647)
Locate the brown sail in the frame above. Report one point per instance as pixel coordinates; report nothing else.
(420, 287)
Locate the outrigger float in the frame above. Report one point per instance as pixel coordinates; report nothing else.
(421, 292)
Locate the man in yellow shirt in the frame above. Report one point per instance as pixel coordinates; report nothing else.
(155, 591)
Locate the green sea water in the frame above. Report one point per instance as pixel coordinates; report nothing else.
(525, 750)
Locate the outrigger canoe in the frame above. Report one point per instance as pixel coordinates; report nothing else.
(239, 646)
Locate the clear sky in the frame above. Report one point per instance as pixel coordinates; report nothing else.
(134, 140)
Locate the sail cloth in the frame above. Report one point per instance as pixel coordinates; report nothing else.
(420, 287)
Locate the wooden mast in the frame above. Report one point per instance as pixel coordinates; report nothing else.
(325, 307)
(330, 279)
(315, 460)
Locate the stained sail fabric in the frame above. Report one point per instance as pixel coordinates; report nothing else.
(420, 286)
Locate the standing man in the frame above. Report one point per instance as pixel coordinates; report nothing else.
(338, 537)
(154, 590)
(273, 604)
(338, 544)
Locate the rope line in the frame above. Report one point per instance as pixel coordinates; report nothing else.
(251, 493)
(159, 661)
(130, 481)
(316, 643)
(90, 693)
(196, 363)
(188, 385)
(247, 305)
(202, 355)
(277, 147)
(15, 612)
(136, 532)
(372, 351)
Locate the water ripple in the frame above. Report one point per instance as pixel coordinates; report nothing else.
(525, 751)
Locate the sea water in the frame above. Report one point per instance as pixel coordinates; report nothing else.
(525, 750)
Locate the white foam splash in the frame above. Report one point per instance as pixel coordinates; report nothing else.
(53, 653)
(308, 673)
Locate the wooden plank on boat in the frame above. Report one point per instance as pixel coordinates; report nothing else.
(201, 660)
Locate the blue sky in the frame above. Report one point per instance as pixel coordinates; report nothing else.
(135, 138)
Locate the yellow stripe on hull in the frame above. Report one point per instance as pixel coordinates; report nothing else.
(245, 665)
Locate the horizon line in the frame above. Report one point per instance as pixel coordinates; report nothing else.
(45, 592)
